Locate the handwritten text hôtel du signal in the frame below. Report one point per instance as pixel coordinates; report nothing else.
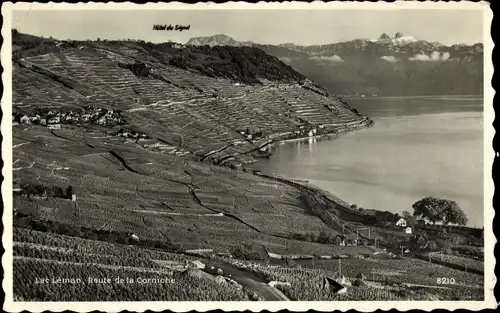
(170, 27)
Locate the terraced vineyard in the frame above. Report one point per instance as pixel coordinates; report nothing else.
(118, 164)
(121, 188)
(136, 185)
(176, 106)
(459, 262)
(49, 267)
(397, 271)
(390, 280)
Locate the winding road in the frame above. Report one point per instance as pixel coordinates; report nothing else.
(249, 281)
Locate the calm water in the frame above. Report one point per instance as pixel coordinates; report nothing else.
(420, 146)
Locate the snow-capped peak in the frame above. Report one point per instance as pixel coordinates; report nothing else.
(403, 40)
(398, 40)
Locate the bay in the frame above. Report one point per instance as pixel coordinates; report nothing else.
(418, 147)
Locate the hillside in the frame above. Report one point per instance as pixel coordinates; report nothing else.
(222, 102)
(127, 156)
(388, 66)
(138, 129)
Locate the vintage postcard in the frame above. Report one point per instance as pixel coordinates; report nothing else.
(247, 156)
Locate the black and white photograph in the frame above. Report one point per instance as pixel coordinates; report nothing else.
(246, 154)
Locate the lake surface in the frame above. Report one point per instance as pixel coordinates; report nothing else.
(418, 147)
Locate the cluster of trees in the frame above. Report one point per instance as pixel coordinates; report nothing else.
(437, 210)
(139, 69)
(325, 238)
(322, 237)
(243, 253)
(24, 220)
(434, 210)
(421, 242)
(29, 45)
(44, 191)
(243, 64)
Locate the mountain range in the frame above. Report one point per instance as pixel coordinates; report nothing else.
(386, 66)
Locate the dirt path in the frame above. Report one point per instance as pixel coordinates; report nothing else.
(180, 214)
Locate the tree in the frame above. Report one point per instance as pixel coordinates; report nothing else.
(452, 214)
(289, 262)
(432, 246)
(439, 210)
(311, 237)
(331, 239)
(30, 190)
(427, 208)
(69, 192)
(245, 254)
(323, 237)
(417, 242)
(58, 192)
(337, 240)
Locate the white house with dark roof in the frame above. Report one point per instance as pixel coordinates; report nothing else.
(401, 222)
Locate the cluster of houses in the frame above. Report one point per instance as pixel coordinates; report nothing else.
(21, 118)
(303, 130)
(54, 118)
(132, 134)
(40, 192)
(251, 134)
(387, 219)
(402, 223)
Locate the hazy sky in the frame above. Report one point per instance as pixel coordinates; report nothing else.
(261, 26)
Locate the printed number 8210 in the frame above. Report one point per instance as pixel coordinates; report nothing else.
(445, 281)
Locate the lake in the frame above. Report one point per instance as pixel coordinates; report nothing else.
(418, 147)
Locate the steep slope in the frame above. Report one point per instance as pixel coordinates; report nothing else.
(135, 129)
(198, 99)
(401, 65)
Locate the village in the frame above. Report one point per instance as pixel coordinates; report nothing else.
(53, 119)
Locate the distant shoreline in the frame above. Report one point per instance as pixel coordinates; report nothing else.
(280, 175)
(364, 124)
(466, 97)
(341, 130)
(332, 198)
